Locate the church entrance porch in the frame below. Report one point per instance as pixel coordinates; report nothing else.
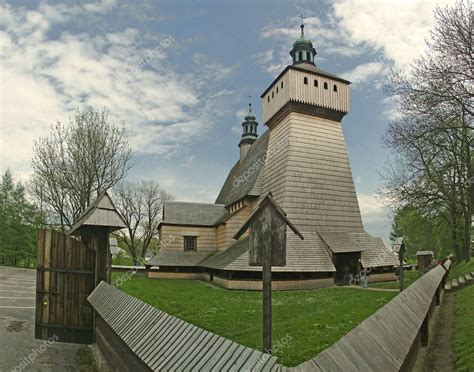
(347, 267)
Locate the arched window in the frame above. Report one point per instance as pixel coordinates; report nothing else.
(282, 85)
(334, 88)
(277, 89)
(315, 82)
(300, 56)
(308, 56)
(305, 80)
(325, 85)
(268, 98)
(273, 94)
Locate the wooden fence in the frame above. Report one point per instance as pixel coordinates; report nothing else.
(133, 335)
(390, 339)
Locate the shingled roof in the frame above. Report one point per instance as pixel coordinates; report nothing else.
(308, 255)
(243, 177)
(376, 254)
(196, 214)
(164, 258)
(340, 242)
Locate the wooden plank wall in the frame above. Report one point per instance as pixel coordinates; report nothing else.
(65, 277)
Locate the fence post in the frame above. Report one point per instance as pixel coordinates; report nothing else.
(425, 332)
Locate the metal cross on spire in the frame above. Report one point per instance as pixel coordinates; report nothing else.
(250, 103)
(302, 24)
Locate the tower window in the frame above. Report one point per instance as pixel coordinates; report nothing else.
(282, 85)
(325, 85)
(334, 88)
(277, 89)
(300, 56)
(315, 82)
(305, 80)
(273, 94)
(308, 56)
(268, 98)
(190, 243)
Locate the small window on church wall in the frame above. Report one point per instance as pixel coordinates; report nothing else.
(282, 85)
(190, 243)
(325, 85)
(305, 80)
(308, 56)
(273, 94)
(268, 98)
(277, 90)
(315, 83)
(334, 88)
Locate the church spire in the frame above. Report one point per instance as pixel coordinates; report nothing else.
(249, 132)
(303, 51)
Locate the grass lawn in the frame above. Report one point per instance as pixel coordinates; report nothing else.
(409, 278)
(464, 329)
(461, 268)
(310, 320)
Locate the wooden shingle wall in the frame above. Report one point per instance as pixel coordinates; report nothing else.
(310, 176)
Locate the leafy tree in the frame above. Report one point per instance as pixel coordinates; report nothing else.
(140, 204)
(432, 138)
(19, 220)
(75, 163)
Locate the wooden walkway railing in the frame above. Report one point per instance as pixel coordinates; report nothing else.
(389, 340)
(136, 336)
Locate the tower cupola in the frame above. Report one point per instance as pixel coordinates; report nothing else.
(249, 135)
(303, 50)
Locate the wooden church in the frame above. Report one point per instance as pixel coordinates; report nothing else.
(302, 160)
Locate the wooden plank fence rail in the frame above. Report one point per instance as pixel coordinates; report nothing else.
(135, 336)
(389, 340)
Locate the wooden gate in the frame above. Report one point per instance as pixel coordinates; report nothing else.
(65, 278)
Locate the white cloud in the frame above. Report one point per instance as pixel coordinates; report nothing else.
(396, 28)
(364, 73)
(42, 80)
(100, 7)
(374, 215)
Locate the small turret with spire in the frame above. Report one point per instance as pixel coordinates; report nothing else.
(249, 135)
(303, 51)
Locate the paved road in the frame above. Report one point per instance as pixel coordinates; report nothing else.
(19, 351)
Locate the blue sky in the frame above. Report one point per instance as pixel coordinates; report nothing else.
(178, 75)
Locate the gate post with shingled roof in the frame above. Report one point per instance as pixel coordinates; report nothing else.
(267, 248)
(94, 227)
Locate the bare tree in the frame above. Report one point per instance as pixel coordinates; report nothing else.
(141, 204)
(75, 163)
(433, 137)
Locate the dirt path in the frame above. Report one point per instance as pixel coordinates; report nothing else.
(440, 354)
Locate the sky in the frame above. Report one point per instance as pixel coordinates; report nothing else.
(178, 74)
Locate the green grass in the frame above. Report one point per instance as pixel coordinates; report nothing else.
(122, 261)
(464, 329)
(306, 321)
(409, 279)
(461, 268)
